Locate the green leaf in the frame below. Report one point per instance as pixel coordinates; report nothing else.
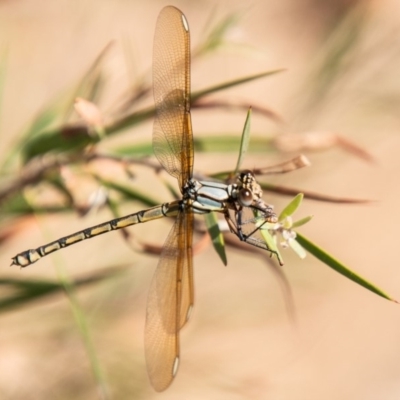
(235, 82)
(291, 207)
(172, 189)
(59, 140)
(302, 221)
(75, 137)
(129, 192)
(221, 143)
(331, 262)
(113, 206)
(17, 205)
(136, 150)
(244, 143)
(83, 327)
(270, 241)
(42, 137)
(216, 235)
(138, 117)
(24, 291)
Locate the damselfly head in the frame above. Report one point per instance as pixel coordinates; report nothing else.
(249, 194)
(248, 188)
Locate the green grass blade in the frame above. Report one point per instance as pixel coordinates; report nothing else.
(76, 137)
(25, 291)
(244, 143)
(216, 236)
(235, 82)
(219, 143)
(83, 327)
(176, 195)
(269, 240)
(58, 140)
(291, 208)
(331, 262)
(42, 137)
(129, 192)
(137, 150)
(302, 221)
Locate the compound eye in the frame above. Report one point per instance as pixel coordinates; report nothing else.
(245, 197)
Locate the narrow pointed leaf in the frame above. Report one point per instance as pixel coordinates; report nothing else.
(26, 291)
(129, 192)
(235, 82)
(291, 207)
(175, 194)
(271, 243)
(302, 221)
(216, 235)
(244, 143)
(331, 262)
(75, 137)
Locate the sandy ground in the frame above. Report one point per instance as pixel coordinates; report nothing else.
(241, 342)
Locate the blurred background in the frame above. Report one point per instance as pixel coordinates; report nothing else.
(338, 96)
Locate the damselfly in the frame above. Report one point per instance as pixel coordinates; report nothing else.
(170, 298)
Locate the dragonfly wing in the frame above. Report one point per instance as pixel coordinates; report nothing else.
(172, 134)
(169, 303)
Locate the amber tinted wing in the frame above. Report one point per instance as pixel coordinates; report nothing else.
(172, 134)
(169, 303)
